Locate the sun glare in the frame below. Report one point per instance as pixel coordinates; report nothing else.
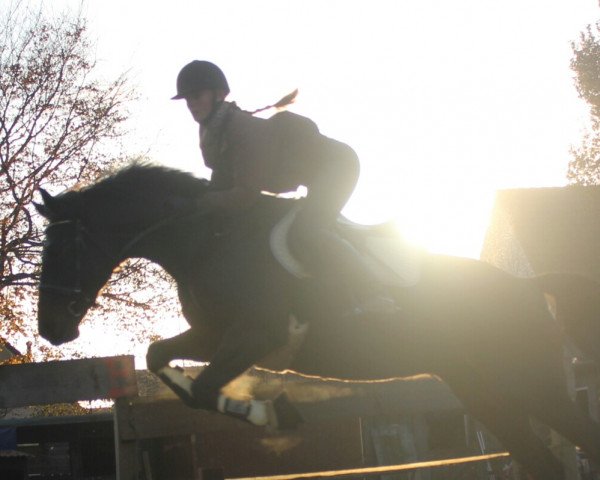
(440, 219)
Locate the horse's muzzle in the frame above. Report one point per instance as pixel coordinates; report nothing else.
(58, 336)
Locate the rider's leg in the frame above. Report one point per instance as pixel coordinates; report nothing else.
(337, 261)
(325, 252)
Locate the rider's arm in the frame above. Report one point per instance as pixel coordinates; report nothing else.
(249, 147)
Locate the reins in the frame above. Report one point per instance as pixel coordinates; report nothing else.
(147, 231)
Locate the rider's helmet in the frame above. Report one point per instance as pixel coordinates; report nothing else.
(200, 75)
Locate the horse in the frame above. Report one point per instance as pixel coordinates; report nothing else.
(486, 333)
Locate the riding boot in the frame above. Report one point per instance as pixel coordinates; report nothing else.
(371, 301)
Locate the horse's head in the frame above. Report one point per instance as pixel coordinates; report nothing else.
(91, 231)
(75, 266)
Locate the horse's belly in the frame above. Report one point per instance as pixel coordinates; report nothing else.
(356, 349)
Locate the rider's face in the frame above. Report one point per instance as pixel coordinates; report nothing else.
(202, 103)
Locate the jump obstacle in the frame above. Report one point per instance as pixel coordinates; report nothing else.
(141, 413)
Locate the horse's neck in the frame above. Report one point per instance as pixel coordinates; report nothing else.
(163, 243)
(175, 244)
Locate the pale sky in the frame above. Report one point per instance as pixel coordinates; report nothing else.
(444, 101)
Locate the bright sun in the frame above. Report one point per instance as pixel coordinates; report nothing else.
(441, 220)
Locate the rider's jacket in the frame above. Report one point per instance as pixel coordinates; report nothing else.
(249, 154)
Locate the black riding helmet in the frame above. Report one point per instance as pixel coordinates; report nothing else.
(200, 75)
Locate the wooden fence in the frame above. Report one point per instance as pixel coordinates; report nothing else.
(145, 411)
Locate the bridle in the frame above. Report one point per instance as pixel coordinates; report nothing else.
(82, 300)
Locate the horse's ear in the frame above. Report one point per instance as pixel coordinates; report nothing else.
(48, 208)
(42, 210)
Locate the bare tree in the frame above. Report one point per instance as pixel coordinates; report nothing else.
(53, 115)
(584, 167)
(60, 125)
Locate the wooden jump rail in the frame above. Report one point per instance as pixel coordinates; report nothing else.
(389, 469)
(67, 381)
(139, 418)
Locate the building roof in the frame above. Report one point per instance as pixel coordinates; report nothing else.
(558, 229)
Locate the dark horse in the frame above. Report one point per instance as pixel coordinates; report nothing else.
(487, 334)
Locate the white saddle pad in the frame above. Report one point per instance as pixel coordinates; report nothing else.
(392, 260)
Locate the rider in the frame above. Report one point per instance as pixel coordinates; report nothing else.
(248, 155)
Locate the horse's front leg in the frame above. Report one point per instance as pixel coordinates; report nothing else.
(242, 347)
(195, 344)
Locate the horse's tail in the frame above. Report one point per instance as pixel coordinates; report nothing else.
(577, 309)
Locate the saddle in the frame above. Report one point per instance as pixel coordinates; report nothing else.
(391, 259)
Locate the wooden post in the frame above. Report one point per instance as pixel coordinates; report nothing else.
(126, 449)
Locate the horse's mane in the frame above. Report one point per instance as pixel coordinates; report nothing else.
(144, 192)
(142, 177)
(136, 191)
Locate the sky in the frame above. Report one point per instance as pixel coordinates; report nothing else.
(445, 102)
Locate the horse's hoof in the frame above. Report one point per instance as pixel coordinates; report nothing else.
(288, 416)
(156, 357)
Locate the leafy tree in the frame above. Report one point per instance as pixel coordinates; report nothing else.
(584, 167)
(60, 125)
